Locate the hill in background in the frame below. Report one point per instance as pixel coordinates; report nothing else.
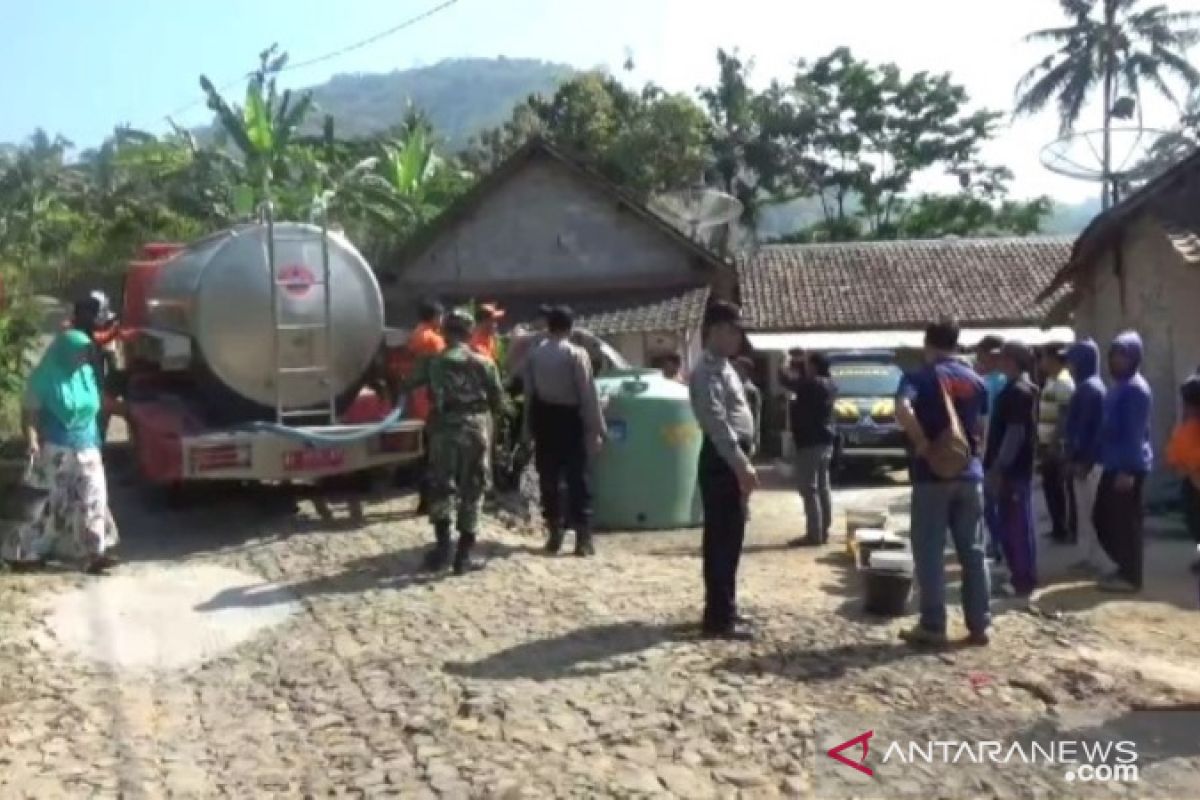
(1071, 218)
(461, 96)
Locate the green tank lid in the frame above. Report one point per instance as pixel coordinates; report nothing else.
(645, 475)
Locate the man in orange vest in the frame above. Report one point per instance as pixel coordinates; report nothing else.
(484, 339)
(426, 341)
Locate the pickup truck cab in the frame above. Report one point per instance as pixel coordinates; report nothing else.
(865, 409)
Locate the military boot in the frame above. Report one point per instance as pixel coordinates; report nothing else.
(439, 555)
(583, 541)
(463, 563)
(554, 541)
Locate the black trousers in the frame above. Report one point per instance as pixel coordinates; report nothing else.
(424, 484)
(1118, 518)
(724, 533)
(1191, 508)
(560, 455)
(1060, 498)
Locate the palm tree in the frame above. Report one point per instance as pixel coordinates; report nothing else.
(1115, 46)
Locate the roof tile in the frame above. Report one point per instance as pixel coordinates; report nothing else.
(880, 285)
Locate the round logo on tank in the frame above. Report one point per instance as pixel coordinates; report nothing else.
(295, 279)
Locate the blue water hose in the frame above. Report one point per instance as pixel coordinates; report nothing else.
(312, 437)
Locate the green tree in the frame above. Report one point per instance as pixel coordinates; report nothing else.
(755, 139)
(648, 141)
(139, 187)
(662, 145)
(873, 130)
(263, 130)
(40, 213)
(1114, 46)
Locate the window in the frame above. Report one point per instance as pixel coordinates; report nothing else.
(866, 380)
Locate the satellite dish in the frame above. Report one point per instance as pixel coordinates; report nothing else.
(1080, 155)
(693, 210)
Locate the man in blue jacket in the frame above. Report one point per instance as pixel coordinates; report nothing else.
(1126, 458)
(1081, 449)
(942, 505)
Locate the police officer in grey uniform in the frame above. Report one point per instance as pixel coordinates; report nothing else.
(724, 471)
(562, 414)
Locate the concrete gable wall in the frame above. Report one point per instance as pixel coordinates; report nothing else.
(547, 226)
(1162, 302)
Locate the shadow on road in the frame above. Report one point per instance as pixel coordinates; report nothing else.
(822, 664)
(216, 517)
(396, 571)
(1167, 579)
(580, 653)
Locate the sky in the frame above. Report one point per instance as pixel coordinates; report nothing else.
(78, 67)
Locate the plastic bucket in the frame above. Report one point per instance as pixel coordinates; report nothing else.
(887, 583)
(857, 519)
(19, 502)
(868, 541)
(885, 594)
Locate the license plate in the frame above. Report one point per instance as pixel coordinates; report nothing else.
(301, 460)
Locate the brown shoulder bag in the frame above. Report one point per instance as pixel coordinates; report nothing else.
(950, 453)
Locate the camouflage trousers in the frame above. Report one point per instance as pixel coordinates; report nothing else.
(459, 469)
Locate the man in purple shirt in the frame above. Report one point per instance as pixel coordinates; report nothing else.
(1012, 437)
(945, 504)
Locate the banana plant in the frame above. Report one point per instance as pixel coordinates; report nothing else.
(417, 175)
(263, 129)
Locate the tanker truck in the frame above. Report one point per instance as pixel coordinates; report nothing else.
(245, 354)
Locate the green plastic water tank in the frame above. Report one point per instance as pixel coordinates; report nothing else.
(645, 475)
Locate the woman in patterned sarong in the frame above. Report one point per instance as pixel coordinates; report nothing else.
(62, 402)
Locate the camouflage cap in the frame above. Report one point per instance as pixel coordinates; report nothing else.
(459, 319)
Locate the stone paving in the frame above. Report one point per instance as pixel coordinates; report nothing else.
(561, 677)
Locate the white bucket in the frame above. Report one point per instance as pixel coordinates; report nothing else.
(900, 561)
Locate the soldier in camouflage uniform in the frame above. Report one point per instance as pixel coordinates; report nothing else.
(465, 389)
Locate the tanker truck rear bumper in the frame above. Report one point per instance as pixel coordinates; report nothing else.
(170, 449)
(259, 456)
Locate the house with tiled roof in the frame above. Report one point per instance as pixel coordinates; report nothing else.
(881, 295)
(1137, 265)
(852, 295)
(544, 228)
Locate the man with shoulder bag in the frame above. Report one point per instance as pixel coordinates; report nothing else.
(942, 407)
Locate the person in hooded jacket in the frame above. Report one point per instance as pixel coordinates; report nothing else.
(1126, 457)
(1082, 449)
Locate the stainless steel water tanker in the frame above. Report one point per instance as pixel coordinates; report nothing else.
(218, 292)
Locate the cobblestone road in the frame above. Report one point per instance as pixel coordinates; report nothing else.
(562, 677)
